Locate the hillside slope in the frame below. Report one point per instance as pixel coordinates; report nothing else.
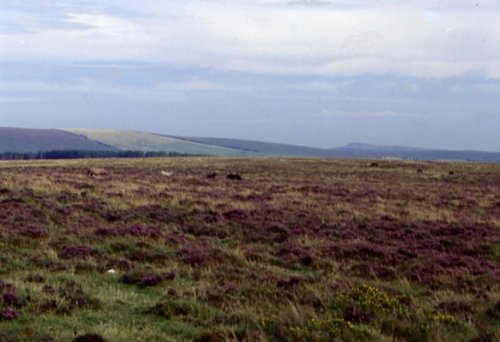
(260, 147)
(354, 150)
(23, 140)
(142, 141)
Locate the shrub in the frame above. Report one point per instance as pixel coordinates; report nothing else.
(91, 337)
(8, 314)
(145, 278)
(200, 254)
(75, 252)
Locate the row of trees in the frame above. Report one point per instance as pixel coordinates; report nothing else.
(80, 154)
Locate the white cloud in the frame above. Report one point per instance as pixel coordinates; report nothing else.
(484, 88)
(159, 91)
(29, 86)
(321, 86)
(359, 114)
(16, 99)
(420, 39)
(194, 85)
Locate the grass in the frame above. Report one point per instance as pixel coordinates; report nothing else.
(141, 141)
(299, 250)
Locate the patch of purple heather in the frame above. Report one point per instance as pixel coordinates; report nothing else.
(33, 231)
(75, 252)
(199, 254)
(176, 238)
(236, 215)
(136, 230)
(105, 231)
(195, 256)
(210, 216)
(147, 256)
(299, 231)
(292, 252)
(169, 275)
(217, 294)
(8, 314)
(289, 283)
(10, 298)
(362, 250)
(277, 232)
(150, 280)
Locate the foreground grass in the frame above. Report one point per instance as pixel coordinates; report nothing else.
(298, 250)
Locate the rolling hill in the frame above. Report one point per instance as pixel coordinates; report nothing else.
(359, 150)
(21, 140)
(260, 147)
(354, 150)
(142, 141)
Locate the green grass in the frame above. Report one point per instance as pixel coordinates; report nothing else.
(141, 141)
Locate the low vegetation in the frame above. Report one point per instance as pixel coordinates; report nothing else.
(292, 250)
(83, 154)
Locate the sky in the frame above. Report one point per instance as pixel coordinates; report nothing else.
(318, 73)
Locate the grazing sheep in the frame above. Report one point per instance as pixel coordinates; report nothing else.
(167, 173)
(234, 176)
(96, 171)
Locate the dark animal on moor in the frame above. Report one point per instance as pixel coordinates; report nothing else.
(234, 176)
(374, 165)
(95, 171)
(420, 170)
(211, 175)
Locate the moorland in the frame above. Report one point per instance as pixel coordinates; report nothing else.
(295, 250)
(25, 143)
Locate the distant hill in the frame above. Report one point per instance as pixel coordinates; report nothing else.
(261, 148)
(354, 150)
(37, 140)
(358, 150)
(373, 147)
(143, 141)
(34, 140)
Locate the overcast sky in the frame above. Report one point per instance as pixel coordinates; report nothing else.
(320, 73)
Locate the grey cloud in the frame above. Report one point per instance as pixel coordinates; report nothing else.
(308, 3)
(252, 38)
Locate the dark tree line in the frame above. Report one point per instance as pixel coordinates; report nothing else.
(80, 154)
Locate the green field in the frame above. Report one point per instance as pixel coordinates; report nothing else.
(298, 250)
(142, 141)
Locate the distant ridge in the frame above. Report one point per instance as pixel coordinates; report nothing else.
(373, 147)
(359, 150)
(260, 147)
(21, 140)
(353, 150)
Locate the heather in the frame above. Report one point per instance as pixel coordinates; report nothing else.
(290, 250)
